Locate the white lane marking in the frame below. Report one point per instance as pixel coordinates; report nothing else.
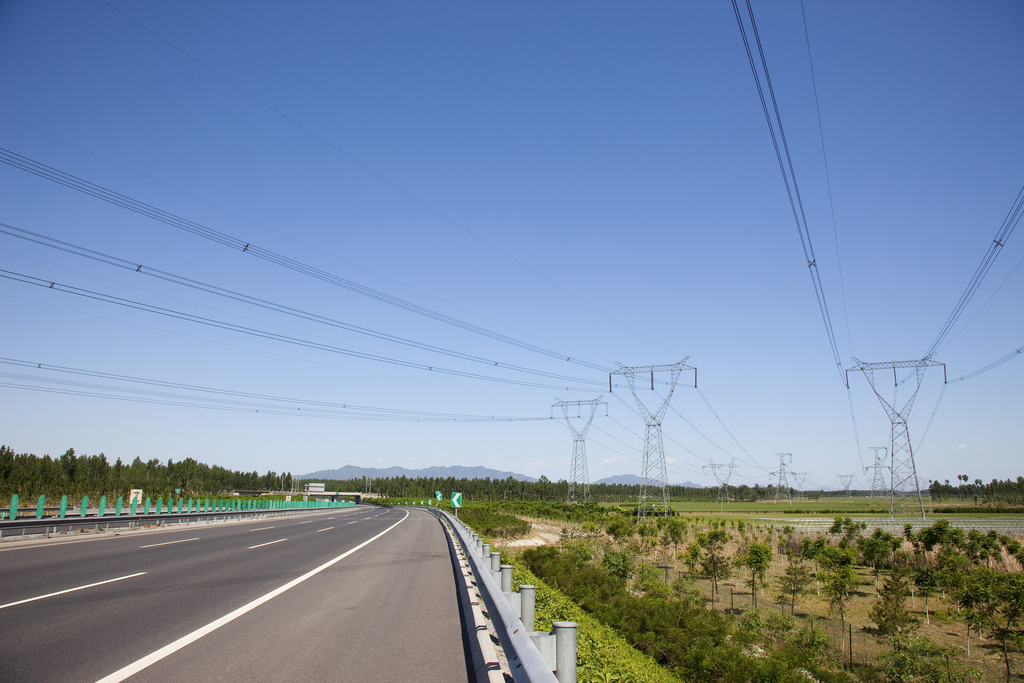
(182, 540)
(309, 521)
(353, 522)
(166, 650)
(267, 543)
(327, 529)
(262, 528)
(69, 590)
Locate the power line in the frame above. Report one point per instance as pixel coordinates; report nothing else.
(788, 176)
(1008, 357)
(99, 192)
(135, 267)
(226, 396)
(1003, 234)
(377, 174)
(272, 336)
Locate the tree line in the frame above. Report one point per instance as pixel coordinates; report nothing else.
(995, 491)
(30, 475)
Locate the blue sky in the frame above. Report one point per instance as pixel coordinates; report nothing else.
(596, 179)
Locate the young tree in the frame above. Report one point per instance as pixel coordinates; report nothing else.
(840, 578)
(847, 530)
(792, 583)
(673, 533)
(691, 557)
(757, 559)
(927, 581)
(1009, 614)
(890, 612)
(714, 563)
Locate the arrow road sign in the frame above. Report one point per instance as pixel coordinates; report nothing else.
(456, 500)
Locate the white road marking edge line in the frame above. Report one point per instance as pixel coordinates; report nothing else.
(178, 644)
(70, 590)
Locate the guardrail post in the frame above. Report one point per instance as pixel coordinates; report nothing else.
(506, 578)
(485, 550)
(496, 566)
(565, 651)
(527, 605)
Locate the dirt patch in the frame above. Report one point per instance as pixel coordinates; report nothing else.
(540, 534)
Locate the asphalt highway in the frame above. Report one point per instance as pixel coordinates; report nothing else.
(351, 594)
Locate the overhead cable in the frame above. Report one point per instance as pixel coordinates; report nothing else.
(788, 174)
(234, 397)
(148, 271)
(272, 336)
(99, 192)
(1003, 234)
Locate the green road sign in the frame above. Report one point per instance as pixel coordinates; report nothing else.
(456, 500)
(439, 495)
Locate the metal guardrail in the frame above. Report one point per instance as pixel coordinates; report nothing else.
(518, 640)
(43, 526)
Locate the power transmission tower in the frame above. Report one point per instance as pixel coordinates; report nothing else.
(654, 445)
(579, 480)
(846, 480)
(782, 489)
(799, 478)
(722, 471)
(878, 486)
(904, 490)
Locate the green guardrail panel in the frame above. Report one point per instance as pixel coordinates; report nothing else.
(103, 506)
(40, 504)
(85, 505)
(12, 513)
(190, 506)
(181, 503)
(206, 508)
(63, 506)
(119, 505)
(159, 505)
(134, 505)
(148, 500)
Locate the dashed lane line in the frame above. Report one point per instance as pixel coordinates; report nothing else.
(180, 540)
(280, 540)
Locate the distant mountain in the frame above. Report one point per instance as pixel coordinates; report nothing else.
(455, 471)
(634, 480)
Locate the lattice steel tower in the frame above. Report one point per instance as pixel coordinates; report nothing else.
(878, 486)
(799, 478)
(579, 480)
(846, 480)
(722, 471)
(782, 490)
(904, 490)
(654, 445)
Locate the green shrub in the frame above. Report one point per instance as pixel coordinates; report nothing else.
(603, 654)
